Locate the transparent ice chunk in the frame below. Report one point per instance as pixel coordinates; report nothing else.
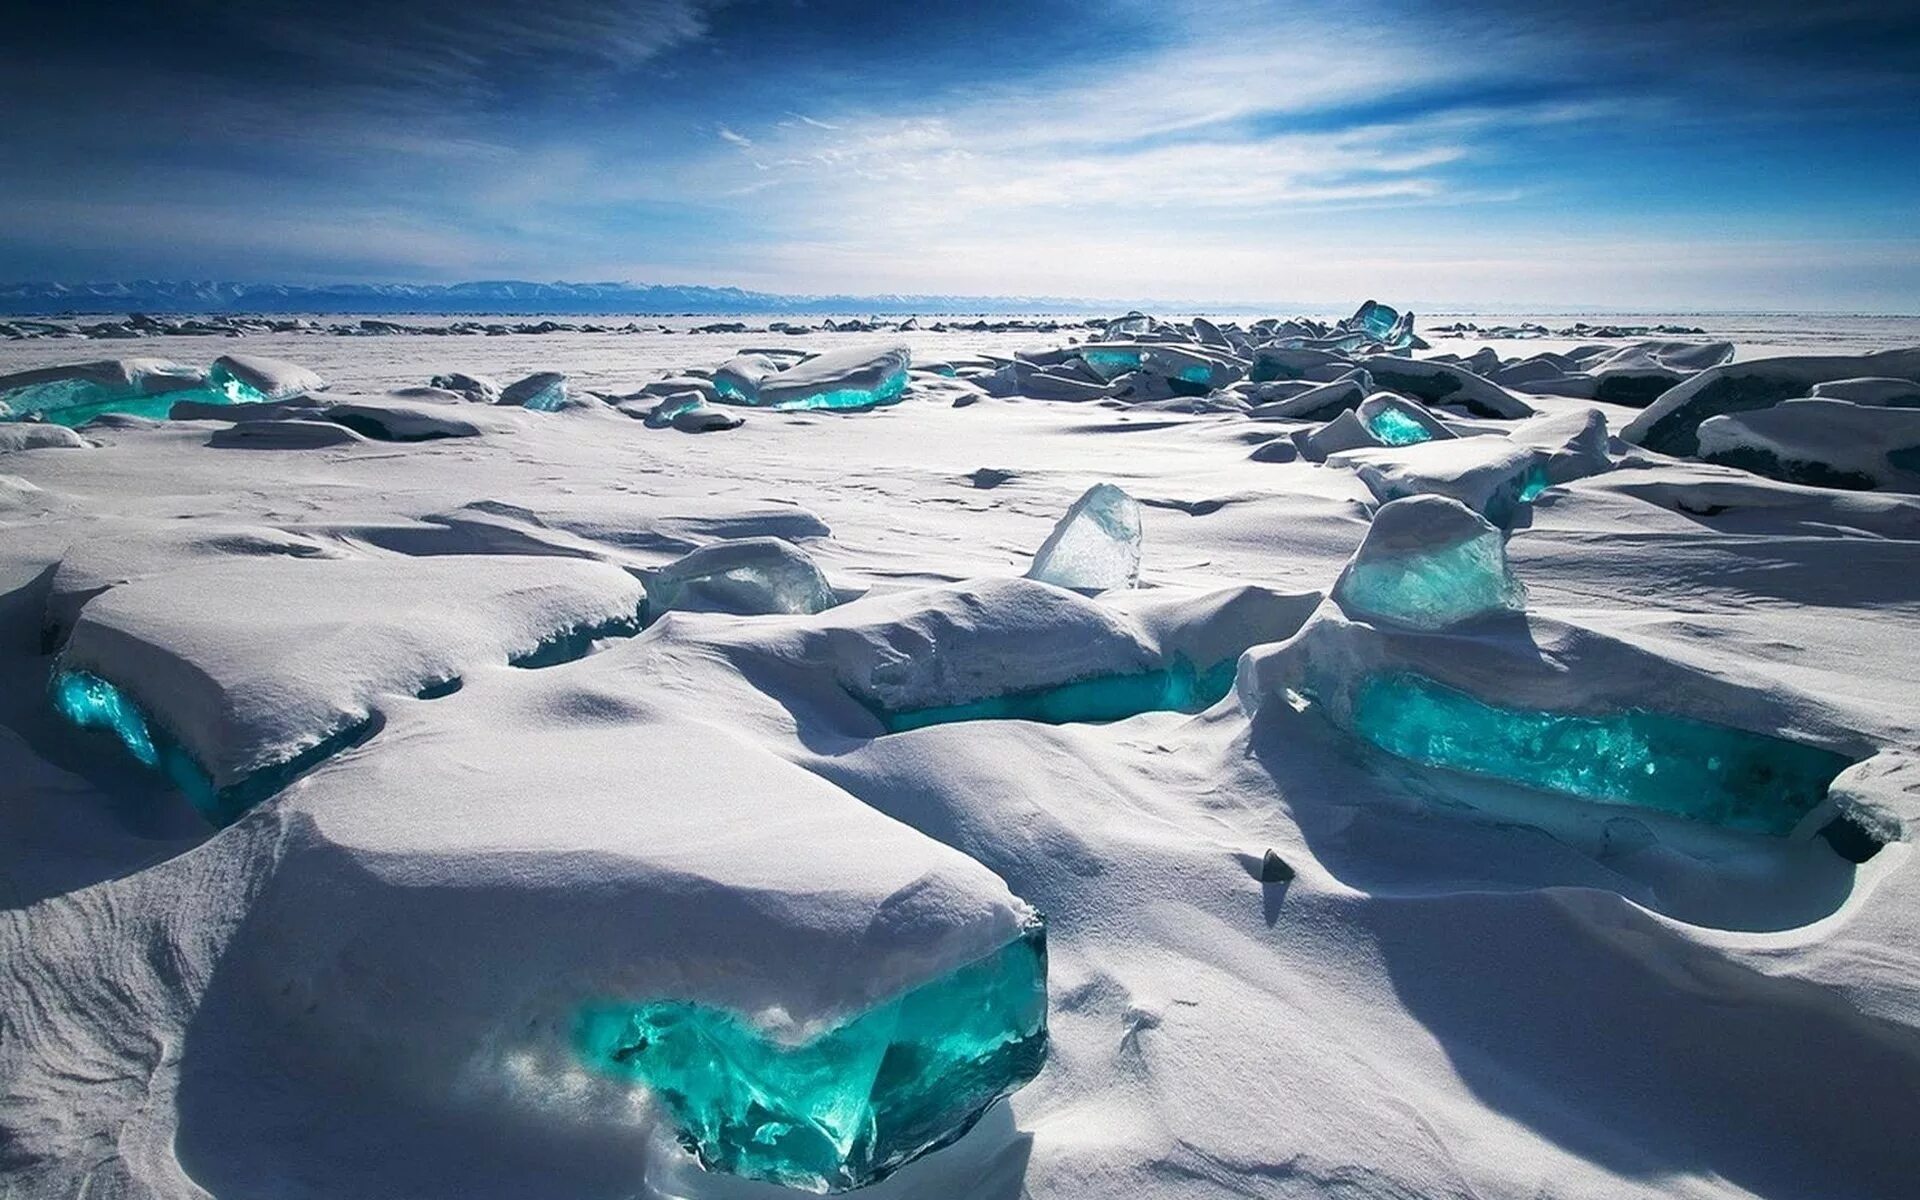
(1429, 562)
(1095, 546)
(851, 1105)
(745, 576)
(1396, 428)
(1712, 773)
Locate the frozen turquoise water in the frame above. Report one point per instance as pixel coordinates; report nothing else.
(1712, 773)
(1110, 364)
(1177, 688)
(889, 392)
(1396, 428)
(852, 1104)
(92, 703)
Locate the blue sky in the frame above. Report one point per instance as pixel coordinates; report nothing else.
(1758, 155)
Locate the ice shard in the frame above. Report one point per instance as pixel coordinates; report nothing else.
(1095, 546)
(851, 1105)
(745, 576)
(1428, 562)
(1712, 773)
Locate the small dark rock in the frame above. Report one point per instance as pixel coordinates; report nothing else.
(1274, 869)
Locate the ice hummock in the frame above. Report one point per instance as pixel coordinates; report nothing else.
(325, 640)
(1095, 546)
(74, 394)
(1429, 562)
(848, 1106)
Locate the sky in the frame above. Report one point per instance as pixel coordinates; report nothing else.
(1638, 155)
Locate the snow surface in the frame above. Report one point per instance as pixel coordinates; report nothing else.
(1466, 988)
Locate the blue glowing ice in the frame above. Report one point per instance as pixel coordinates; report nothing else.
(851, 1105)
(1711, 773)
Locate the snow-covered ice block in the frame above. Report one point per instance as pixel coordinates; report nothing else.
(738, 379)
(1822, 443)
(1428, 562)
(704, 418)
(1344, 432)
(1398, 421)
(75, 393)
(542, 391)
(1095, 546)
(480, 388)
(251, 378)
(1575, 443)
(1670, 424)
(1892, 393)
(1444, 383)
(745, 576)
(1492, 476)
(853, 377)
(482, 916)
(253, 667)
(38, 435)
(1669, 763)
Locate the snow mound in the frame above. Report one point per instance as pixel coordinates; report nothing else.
(250, 378)
(1670, 425)
(36, 435)
(1821, 443)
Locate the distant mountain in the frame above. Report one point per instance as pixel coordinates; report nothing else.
(507, 297)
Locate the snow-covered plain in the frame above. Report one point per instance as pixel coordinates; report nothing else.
(1281, 960)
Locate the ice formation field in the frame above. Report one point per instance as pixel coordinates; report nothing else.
(1159, 757)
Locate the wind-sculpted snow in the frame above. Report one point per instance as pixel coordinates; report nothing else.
(1364, 870)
